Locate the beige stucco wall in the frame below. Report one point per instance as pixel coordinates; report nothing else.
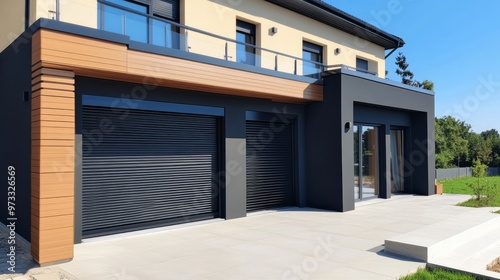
(81, 12)
(11, 21)
(219, 17)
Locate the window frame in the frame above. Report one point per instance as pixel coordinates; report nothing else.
(150, 15)
(249, 30)
(364, 61)
(316, 49)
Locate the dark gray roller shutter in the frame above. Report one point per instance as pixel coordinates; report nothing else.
(166, 8)
(270, 165)
(145, 169)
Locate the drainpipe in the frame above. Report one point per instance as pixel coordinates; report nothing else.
(58, 7)
(393, 50)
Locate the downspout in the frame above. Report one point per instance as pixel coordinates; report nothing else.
(58, 7)
(26, 14)
(393, 50)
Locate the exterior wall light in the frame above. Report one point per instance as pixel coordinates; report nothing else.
(274, 30)
(347, 127)
(338, 51)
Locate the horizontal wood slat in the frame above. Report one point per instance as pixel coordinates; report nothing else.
(54, 86)
(52, 207)
(53, 112)
(58, 181)
(55, 93)
(55, 222)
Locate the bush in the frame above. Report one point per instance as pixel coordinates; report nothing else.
(478, 169)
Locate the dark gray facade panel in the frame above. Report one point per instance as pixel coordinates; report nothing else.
(78, 171)
(350, 99)
(143, 168)
(233, 160)
(324, 152)
(421, 159)
(381, 94)
(365, 114)
(234, 200)
(15, 127)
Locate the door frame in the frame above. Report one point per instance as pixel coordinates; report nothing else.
(360, 160)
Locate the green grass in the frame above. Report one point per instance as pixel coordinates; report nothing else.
(459, 186)
(438, 274)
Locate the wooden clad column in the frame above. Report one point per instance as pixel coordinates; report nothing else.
(52, 165)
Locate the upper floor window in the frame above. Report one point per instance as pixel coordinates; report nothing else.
(312, 56)
(362, 65)
(245, 35)
(142, 20)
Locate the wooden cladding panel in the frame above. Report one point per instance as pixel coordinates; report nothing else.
(52, 165)
(102, 59)
(53, 245)
(54, 222)
(162, 67)
(58, 181)
(54, 207)
(79, 52)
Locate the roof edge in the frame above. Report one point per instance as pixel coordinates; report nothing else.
(342, 21)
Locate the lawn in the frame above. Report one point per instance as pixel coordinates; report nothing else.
(459, 186)
(438, 274)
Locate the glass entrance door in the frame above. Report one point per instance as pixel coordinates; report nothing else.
(365, 162)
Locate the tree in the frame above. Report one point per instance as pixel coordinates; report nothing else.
(490, 134)
(493, 136)
(479, 148)
(452, 146)
(428, 85)
(407, 75)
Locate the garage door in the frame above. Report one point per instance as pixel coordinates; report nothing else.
(146, 169)
(270, 165)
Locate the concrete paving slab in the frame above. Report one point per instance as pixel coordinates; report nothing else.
(281, 244)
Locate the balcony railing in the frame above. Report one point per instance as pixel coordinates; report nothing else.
(134, 21)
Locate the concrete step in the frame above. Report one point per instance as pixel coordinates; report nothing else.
(473, 256)
(432, 241)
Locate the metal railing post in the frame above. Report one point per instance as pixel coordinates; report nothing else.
(226, 51)
(124, 24)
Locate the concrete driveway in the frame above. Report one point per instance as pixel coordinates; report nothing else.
(293, 243)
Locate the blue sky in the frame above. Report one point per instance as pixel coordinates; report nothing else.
(454, 43)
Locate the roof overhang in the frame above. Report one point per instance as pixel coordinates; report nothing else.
(327, 14)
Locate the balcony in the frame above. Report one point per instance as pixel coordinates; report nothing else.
(160, 32)
(178, 56)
